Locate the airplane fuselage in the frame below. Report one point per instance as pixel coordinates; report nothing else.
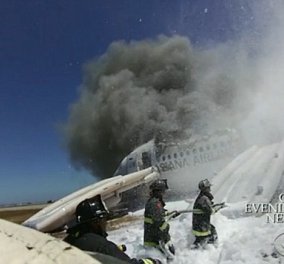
(184, 163)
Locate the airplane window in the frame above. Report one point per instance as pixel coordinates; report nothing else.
(181, 154)
(169, 156)
(175, 155)
(163, 158)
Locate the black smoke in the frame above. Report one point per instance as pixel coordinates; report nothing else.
(139, 90)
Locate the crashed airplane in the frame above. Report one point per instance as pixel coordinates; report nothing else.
(183, 163)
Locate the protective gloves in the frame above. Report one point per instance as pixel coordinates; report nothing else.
(218, 206)
(175, 214)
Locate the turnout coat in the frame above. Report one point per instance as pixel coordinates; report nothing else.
(202, 210)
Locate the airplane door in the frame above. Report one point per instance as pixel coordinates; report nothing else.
(146, 160)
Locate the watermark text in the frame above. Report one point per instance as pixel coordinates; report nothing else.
(274, 212)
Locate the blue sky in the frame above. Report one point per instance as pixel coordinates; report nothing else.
(43, 45)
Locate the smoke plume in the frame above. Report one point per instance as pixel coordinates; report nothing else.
(141, 89)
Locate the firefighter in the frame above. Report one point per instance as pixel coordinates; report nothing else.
(89, 234)
(156, 227)
(203, 207)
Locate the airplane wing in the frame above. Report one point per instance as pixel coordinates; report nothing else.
(62, 211)
(19, 244)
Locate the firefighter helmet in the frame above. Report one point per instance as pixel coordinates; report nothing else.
(159, 185)
(91, 210)
(204, 184)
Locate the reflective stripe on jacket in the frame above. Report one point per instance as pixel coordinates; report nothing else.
(155, 227)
